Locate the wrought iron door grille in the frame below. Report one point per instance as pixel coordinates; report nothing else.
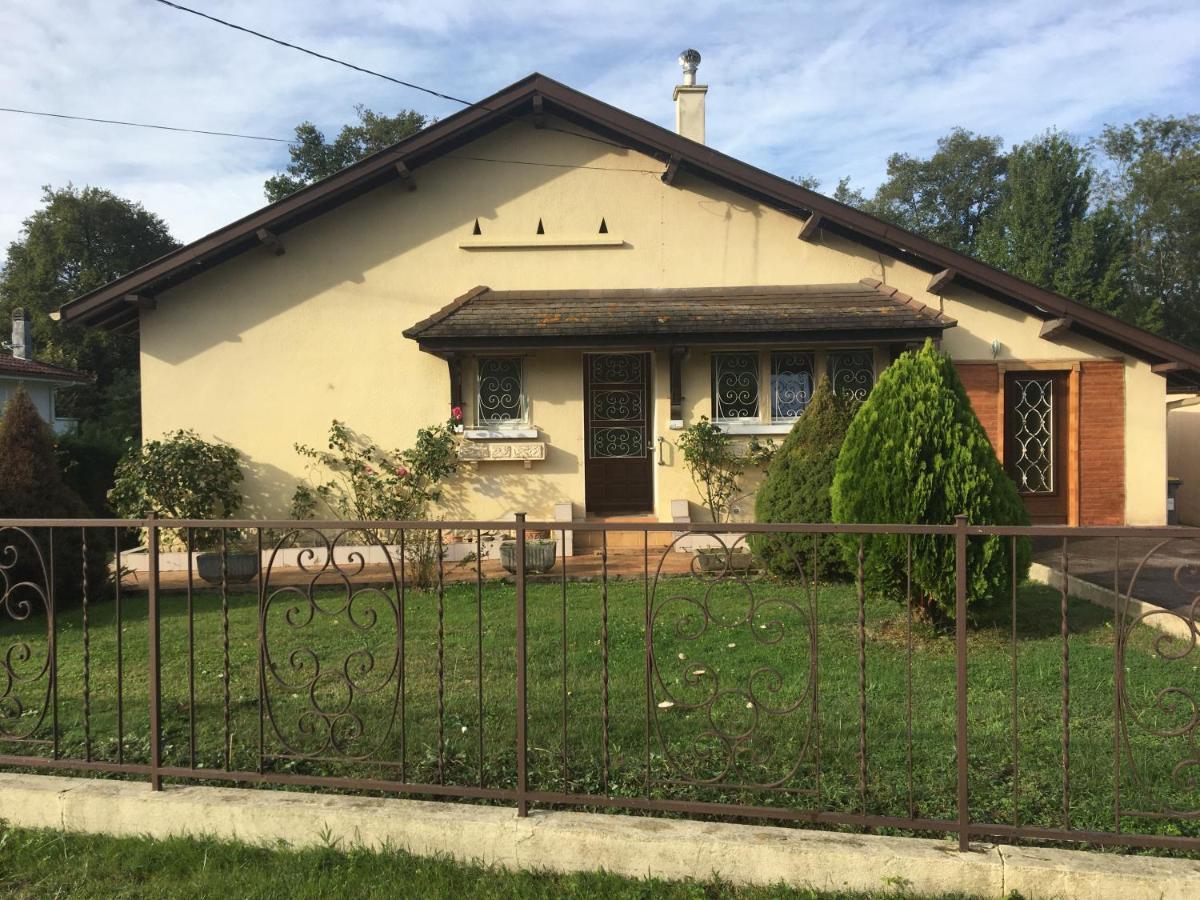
(1034, 434)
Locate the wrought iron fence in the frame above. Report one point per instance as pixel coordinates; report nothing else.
(659, 671)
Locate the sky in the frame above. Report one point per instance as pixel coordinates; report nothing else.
(827, 89)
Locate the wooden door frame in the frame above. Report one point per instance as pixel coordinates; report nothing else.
(1070, 368)
(651, 358)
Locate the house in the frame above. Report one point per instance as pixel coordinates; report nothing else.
(583, 284)
(41, 381)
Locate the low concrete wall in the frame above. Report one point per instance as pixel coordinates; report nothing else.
(574, 842)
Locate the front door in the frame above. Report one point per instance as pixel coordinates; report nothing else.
(618, 476)
(1035, 442)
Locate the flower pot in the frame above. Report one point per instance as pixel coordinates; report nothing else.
(239, 567)
(539, 556)
(717, 559)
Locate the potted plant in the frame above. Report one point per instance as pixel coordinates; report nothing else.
(184, 476)
(540, 554)
(240, 560)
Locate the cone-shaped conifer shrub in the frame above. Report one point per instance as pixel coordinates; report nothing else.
(796, 489)
(916, 454)
(32, 486)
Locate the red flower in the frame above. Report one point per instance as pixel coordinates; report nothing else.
(401, 472)
(456, 414)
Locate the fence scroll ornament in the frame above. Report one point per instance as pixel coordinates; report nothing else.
(323, 702)
(26, 636)
(1168, 714)
(721, 716)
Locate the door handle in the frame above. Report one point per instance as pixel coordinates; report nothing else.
(661, 440)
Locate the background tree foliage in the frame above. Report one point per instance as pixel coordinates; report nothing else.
(80, 239)
(314, 158)
(1114, 223)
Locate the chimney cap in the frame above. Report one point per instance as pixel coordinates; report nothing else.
(20, 312)
(689, 61)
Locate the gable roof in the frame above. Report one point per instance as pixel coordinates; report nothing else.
(864, 310)
(15, 367)
(109, 307)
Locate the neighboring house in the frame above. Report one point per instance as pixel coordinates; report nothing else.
(583, 284)
(40, 380)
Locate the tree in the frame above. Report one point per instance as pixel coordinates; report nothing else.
(916, 454)
(947, 197)
(314, 158)
(796, 488)
(80, 239)
(1155, 185)
(32, 486)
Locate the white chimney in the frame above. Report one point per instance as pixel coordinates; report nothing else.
(22, 334)
(689, 99)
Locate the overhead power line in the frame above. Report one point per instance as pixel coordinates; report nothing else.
(257, 137)
(54, 115)
(357, 68)
(332, 59)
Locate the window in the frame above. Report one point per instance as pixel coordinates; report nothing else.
(791, 384)
(735, 386)
(852, 372)
(501, 395)
(766, 391)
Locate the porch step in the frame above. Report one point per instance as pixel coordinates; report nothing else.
(592, 541)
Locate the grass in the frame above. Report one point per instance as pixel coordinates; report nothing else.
(52, 864)
(743, 677)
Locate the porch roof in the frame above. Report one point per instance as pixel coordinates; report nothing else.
(863, 310)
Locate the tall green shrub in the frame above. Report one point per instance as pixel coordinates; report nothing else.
(32, 487)
(916, 454)
(796, 488)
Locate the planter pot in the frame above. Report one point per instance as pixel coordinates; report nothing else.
(714, 559)
(539, 556)
(239, 567)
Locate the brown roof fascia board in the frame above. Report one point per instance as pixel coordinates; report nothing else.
(725, 339)
(369, 172)
(627, 129)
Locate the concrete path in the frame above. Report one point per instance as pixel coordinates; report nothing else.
(622, 565)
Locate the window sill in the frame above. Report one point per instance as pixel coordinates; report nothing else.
(755, 427)
(499, 434)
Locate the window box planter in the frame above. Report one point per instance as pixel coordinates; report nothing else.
(539, 555)
(718, 559)
(239, 567)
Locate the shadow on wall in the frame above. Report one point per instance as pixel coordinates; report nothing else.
(346, 243)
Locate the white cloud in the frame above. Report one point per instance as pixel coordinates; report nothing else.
(798, 88)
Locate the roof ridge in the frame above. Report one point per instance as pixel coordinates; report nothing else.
(104, 307)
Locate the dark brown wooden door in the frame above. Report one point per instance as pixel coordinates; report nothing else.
(1036, 441)
(617, 470)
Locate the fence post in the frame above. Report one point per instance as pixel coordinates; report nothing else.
(155, 671)
(522, 712)
(960, 644)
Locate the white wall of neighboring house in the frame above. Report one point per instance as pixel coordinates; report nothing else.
(1183, 455)
(42, 393)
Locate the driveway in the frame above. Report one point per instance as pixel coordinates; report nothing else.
(1170, 577)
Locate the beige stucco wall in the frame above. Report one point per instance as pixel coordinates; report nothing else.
(1183, 457)
(263, 351)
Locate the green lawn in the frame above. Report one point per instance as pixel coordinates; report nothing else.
(36, 864)
(785, 754)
